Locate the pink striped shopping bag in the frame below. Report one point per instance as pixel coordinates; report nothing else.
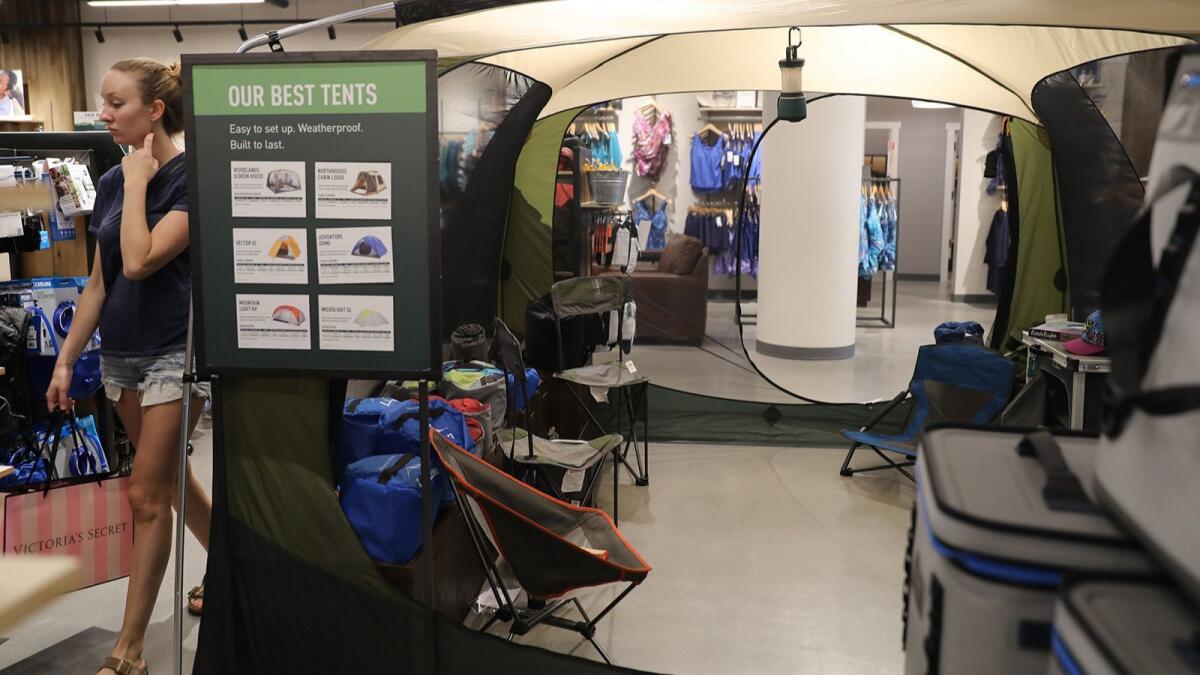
(91, 520)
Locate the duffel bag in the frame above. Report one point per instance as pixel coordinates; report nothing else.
(1001, 517)
(381, 497)
(479, 421)
(520, 399)
(1109, 626)
(360, 430)
(400, 426)
(478, 380)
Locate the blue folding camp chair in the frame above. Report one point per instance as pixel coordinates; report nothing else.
(961, 383)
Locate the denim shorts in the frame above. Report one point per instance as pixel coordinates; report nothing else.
(156, 379)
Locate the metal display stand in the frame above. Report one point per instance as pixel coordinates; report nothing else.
(885, 319)
(1081, 375)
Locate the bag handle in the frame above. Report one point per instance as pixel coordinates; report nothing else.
(404, 417)
(394, 468)
(353, 405)
(1062, 491)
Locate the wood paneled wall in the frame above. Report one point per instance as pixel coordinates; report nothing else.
(50, 59)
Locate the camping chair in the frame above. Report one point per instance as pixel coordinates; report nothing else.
(550, 546)
(563, 469)
(961, 383)
(600, 295)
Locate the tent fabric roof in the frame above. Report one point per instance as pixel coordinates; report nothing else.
(985, 55)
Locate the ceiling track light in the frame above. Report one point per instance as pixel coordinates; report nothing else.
(177, 33)
(99, 35)
(332, 33)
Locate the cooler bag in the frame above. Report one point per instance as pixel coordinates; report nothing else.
(381, 497)
(478, 380)
(1111, 627)
(400, 427)
(1149, 464)
(1000, 518)
(360, 430)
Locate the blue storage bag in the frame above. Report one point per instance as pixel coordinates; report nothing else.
(952, 332)
(360, 432)
(521, 399)
(381, 497)
(400, 426)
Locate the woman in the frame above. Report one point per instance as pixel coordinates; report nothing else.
(138, 295)
(10, 99)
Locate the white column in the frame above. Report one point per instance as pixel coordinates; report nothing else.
(808, 246)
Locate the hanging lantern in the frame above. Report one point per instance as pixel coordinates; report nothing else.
(792, 106)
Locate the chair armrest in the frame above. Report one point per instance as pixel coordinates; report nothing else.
(883, 413)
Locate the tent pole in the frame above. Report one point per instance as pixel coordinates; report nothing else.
(273, 37)
(180, 520)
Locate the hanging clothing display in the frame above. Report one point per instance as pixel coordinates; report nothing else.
(651, 140)
(878, 227)
(651, 223)
(999, 240)
(714, 227)
(602, 141)
(708, 164)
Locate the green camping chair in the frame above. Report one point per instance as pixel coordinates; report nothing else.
(600, 295)
(566, 470)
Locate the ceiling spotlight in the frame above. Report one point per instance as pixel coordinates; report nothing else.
(99, 35)
(332, 33)
(242, 33)
(178, 35)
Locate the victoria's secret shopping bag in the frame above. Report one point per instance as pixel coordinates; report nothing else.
(91, 520)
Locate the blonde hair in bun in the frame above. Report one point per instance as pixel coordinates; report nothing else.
(159, 82)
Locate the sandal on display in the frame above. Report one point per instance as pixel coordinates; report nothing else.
(195, 597)
(123, 667)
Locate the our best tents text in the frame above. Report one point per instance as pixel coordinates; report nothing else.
(301, 95)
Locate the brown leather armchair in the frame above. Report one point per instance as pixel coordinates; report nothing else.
(671, 308)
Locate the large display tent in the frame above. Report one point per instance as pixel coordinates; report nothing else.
(285, 568)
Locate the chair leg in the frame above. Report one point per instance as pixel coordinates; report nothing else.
(889, 463)
(846, 470)
(600, 651)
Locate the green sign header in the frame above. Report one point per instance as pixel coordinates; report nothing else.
(309, 89)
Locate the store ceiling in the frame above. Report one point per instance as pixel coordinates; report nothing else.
(985, 55)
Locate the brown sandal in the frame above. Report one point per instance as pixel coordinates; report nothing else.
(193, 595)
(123, 667)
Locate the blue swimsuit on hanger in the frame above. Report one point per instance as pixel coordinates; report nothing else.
(657, 238)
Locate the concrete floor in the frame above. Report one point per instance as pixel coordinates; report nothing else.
(765, 560)
(882, 364)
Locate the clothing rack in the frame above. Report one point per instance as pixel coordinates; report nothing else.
(884, 320)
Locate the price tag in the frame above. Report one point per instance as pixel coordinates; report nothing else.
(667, 139)
(630, 367)
(573, 481)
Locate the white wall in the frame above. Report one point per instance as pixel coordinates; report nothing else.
(159, 43)
(922, 159)
(975, 207)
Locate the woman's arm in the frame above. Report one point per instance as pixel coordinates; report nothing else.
(144, 252)
(83, 325)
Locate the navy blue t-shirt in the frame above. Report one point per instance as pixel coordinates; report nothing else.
(147, 317)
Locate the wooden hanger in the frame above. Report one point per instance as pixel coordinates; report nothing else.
(653, 193)
(710, 127)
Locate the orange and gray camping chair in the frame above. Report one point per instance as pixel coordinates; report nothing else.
(551, 547)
